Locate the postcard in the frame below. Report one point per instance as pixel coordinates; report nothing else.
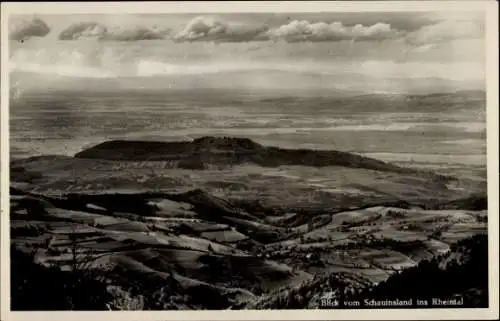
(250, 160)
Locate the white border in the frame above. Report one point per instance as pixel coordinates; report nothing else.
(193, 7)
(491, 11)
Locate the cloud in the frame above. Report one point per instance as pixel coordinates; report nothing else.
(303, 30)
(83, 30)
(209, 29)
(94, 30)
(438, 30)
(446, 31)
(21, 29)
(137, 33)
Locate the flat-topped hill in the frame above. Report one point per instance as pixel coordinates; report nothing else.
(225, 151)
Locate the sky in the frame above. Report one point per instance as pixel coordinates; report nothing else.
(421, 44)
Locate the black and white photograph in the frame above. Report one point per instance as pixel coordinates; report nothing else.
(274, 160)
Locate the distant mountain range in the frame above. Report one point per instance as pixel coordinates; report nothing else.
(346, 83)
(264, 80)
